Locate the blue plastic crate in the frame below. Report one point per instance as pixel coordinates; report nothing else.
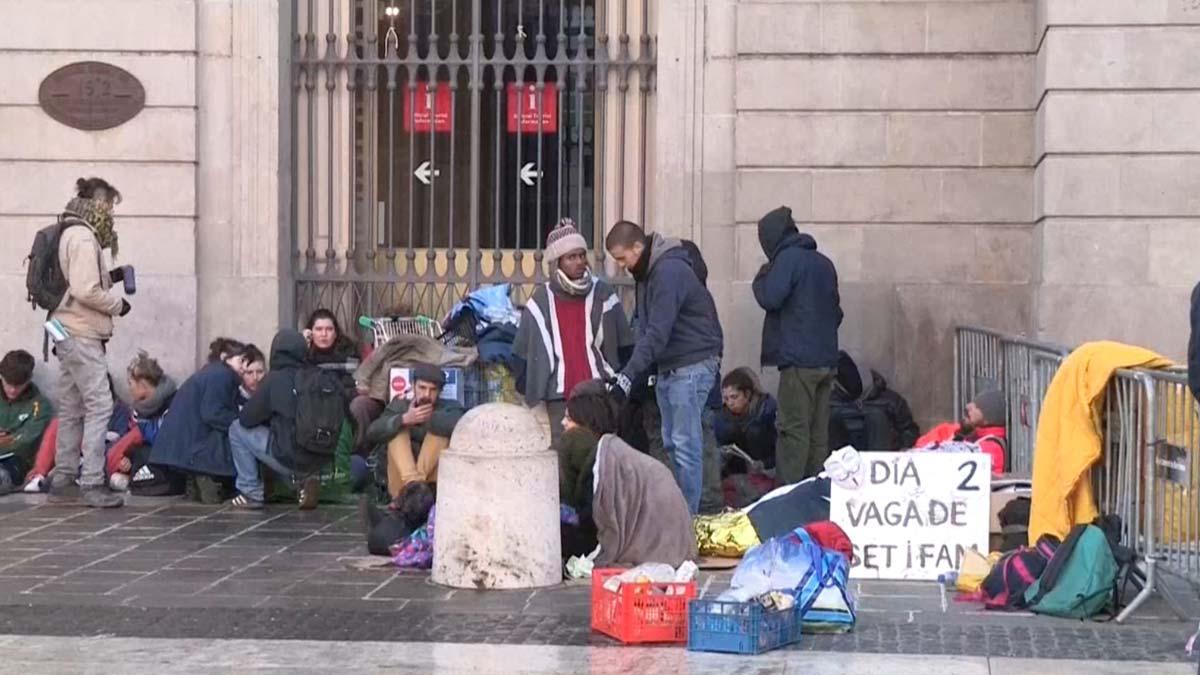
(739, 627)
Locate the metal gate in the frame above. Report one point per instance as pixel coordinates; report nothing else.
(435, 142)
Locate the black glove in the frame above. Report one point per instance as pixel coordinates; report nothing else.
(117, 275)
(618, 388)
(125, 307)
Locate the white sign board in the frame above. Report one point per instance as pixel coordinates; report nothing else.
(914, 514)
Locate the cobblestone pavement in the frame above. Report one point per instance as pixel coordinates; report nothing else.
(166, 569)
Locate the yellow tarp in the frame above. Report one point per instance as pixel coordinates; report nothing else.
(725, 535)
(1070, 435)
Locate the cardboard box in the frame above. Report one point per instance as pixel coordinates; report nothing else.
(400, 380)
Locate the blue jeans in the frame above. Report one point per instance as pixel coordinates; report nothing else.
(249, 447)
(682, 394)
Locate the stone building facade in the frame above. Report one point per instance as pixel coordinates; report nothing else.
(1029, 166)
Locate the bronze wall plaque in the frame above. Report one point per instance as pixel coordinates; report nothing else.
(90, 95)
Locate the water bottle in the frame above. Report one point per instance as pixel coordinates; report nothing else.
(948, 579)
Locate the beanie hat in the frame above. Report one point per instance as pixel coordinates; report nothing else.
(993, 406)
(423, 372)
(564, 239)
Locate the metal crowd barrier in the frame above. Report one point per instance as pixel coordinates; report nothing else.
(1019, 367)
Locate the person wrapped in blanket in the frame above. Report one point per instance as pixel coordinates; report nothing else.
(636, 508)
(982, 429)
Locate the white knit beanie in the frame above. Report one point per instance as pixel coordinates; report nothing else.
(562, 240)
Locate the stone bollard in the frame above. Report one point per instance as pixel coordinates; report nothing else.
(497, 503)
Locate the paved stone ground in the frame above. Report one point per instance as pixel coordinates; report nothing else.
(166, 569)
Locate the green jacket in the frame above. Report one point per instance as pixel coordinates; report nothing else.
(576, 461)
(26, 418)
(446, 414)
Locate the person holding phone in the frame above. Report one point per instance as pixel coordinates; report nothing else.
(24, 415)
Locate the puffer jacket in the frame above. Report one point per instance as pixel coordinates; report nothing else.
(798, 288)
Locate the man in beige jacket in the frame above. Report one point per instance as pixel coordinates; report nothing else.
(86, 312)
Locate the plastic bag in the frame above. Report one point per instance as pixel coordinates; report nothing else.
(653, 573)
(780, 564)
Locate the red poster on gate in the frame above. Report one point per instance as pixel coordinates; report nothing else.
(423, 108)
(525, 108)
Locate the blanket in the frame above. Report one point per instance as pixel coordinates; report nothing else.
(407, 351)
(640, 513)
(1070, 435)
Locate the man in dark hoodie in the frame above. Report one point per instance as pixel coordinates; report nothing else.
(866, 413)
(266, 429)
(798, 288)
(1193, 355)
(679, 332)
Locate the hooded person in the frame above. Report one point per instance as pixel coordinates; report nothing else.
(865, 413)
(983, 424)
(680, 336)
(798, 289)
(265, 430)
(573, 328)
(423, 422)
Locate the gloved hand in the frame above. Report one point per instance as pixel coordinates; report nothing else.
(125, 307)
(619, 386)
(117, 275)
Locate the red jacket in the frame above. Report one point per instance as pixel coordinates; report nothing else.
(992, 440)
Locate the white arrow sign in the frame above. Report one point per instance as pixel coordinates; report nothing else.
(529, 173)
(425, 173)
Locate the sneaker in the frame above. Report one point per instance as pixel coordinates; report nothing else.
(63, 492)
(36, 484)
(310, 491)
(101, 497)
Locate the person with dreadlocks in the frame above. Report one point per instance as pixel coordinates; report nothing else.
(573, 328)
(86, 312)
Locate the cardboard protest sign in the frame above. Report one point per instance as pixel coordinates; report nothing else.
(914, 514)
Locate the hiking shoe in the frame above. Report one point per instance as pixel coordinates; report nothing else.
(208, 490)
(100, 497)
(310, 492)
(63, 493)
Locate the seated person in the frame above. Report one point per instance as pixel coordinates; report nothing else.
(24, 416)
(329, 348)
(43, 464)
(265, 431)
(576, 448)
(424, 421)
(638, 509)
(405, 514)
(253, 373)
(865, 413)
(194, 437)
(983, 425)
(152, 391)
(747, 420)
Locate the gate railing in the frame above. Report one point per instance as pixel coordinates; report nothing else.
(1018, 367)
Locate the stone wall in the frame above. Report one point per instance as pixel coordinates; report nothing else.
(1118, 170)
(197, 166)
(901, 135)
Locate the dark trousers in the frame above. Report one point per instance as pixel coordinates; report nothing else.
(364, 410)
(803, 423)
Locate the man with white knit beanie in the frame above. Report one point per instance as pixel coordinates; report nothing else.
(573, 328)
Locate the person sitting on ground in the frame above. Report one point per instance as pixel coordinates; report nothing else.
(152, 391)
(865, 413)
(747, 420)
(405, 514)
(983, 424)
(638, 509)
(47, 454)
(331, 349)
(576, 448)
(266, 430)
(424, 421)
(253, 373)
(194, 436)
(24, 415)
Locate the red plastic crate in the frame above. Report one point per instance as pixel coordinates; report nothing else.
(639, 613)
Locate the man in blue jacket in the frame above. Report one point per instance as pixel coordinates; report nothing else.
(680, 332)
(1194, 346)
(798, 288)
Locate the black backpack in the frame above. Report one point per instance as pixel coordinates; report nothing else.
(320, 410)
(44, 279)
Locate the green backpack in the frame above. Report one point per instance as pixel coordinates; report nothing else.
(1080, 580)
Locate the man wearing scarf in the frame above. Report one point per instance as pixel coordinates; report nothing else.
(573, 328)
(86, 312)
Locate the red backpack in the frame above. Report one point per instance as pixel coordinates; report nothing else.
(1005, 585)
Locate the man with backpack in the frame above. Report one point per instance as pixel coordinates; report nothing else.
(68, 276)
(290, 425)
(423, 421)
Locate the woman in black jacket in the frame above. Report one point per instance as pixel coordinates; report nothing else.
(194, 436)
